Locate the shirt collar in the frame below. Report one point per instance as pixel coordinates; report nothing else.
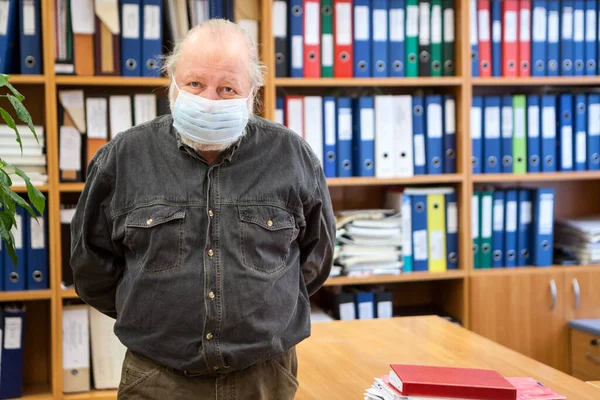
(226, 154)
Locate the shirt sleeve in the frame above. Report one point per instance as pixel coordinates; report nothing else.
(96, 260)
(318, 241)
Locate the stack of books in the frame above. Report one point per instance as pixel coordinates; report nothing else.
(31, 159)
(579, 239)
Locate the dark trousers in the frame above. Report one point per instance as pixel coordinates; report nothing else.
(142, 378)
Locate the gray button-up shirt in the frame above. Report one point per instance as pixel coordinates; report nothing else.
(205, 267)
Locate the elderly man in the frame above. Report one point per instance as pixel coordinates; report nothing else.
(204, 233)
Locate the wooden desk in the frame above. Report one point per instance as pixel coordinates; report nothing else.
(342, 358)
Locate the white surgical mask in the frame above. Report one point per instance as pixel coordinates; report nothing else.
(209, 121)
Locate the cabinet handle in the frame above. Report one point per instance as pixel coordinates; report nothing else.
(592, 358)
(554, 293)
(577, 291)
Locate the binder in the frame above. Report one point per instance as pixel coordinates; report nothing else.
(397, 50)
(449, 37)
(63, 61)
(344, 138)
(407, 232)
(543, 232)
(519, 137)
(474, 38)
(313, 125)
(579, 38)
(476, 127)
(435, 143)
(419, 129)
(385, 137)
(485, 45)
(539, 37)
(37, 251)
(498, 229)
(76, 349)
(131, 37)
(97, 124)
(496, 7)
(107, 41)
(326, 38)
(379, 35)
(15, 276)
(312, 38)
(30, 44)
(9, 36)
(591, 35)
(524, 233)
(548, 133)
(492, 149)
(229, 10)
(145, 107)
(510, 229)
(534, 146)
(107, 351)
(279, 107)
(280, 35)
(12, 352)
(510, 45)
(152, 38)
(412, 38)
(216, 9)
(365, 305)
(384, 304)
(364, 137)
(593, 143)
(507, 134)
(424, 38)
(419, 231)
(580, 132)
(475, 228)
(330, 136)
(297, 40)
(342, 26)
(343, 306)
(451, 230)
(485, 230)
(449, 134)
(553, 38)
(436, 38)
(436, 230)
(524, 37)
(566, 37)
(566, 132)
(294, 114)
(66, 216)
(120, 114)
(362, 38)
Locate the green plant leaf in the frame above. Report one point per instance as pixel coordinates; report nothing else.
(7, 236)
(11, 124)
(18, 200)
(22, 113)
(4, 82)
(36, 197)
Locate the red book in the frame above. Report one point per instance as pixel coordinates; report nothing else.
(466, 383)
(525, 38)
(312, 39)
(510, 44)
(485, 38)
(342, 28)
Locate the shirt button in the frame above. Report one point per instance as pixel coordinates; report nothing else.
(215, 368)
(209, 336)
(211, 295)
(269, 223)
(211, 253)
(210, 213)
(149, 221)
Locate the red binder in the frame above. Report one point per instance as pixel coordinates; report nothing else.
(342, 28)
(312, 38)
(485, 40)
(525, 38)
(510, 44)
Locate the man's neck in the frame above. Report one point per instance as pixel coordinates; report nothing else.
(209, 156)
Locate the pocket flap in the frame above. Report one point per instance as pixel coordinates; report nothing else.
(151, 216)
(267, 217)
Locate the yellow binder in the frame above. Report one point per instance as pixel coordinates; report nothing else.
(436, 228)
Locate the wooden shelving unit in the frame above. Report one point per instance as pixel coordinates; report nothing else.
(27, 295)
(110, 81)
(539, 81)
(537, 177)
(406, 277)
(93, 395)
(368, 82)
(415, 180)
(27, 79)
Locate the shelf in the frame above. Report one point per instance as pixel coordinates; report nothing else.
(23, 189)
(537, 177)
(539, 81)
(36, 392)
(26, 79)
(110, 81)
(26, 295)
(69, 294)
(532, 270)
(94, 394)
(72, 187)
(360, 82)
(414, 180)
(406, 277)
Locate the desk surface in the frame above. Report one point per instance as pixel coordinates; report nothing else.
(342, 358)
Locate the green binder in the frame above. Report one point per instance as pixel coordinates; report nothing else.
(485, 229)
(448, 37)
(327, 38)
(475, 203)
(412, 38)
(519, 135)
(436, 37)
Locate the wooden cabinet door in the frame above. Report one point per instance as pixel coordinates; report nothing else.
(524, 311)
(582, 292)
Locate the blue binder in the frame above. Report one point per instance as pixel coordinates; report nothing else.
(344, 136)
(8, 40)
(30, 45)
(362, 38)
(539, 37)
(152, 38)
(566, 132)
(37, 252)
(474, 38)
(449, 134)
(131, 37)
(579, 38)
(507, 134)
(543, 232)
(215, 8)
(566, 37)
(580, 140)
(15, 276)
(419, 130)
(280, 110)
(553, 51)
(451, 230)
(365, 305)
(2, 257)
(534, 146)
(435, 128)
(406, 210)
(593, 132)
(11, 374)
(511, 212)
(330, 137)
(229, 10)
(548, 133)
(364, 137)
(296, 39)
(591, 36)
(524, 231)
(498, 229)
(476, 128)
(419, 232)
(492, 146)
(397, 48)
(496, 8)
(379, 38)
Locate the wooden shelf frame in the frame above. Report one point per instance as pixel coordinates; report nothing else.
(590, 81)
(368, 82)
(537, 177)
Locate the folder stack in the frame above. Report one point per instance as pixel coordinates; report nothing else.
(21, 37)
(31, 160)
(579, 239)
(350, 303)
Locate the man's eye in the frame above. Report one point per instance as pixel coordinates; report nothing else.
(195, 84)
(229, 90)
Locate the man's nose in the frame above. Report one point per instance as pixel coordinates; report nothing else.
(210, 94)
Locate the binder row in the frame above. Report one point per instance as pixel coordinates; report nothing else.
(375, 136)
(31, 160)
(21, 38)
(361, 304)
(513, 228)
(363, 38)
(31, 247)
(533, 133)
(12, 361)
(534, 37)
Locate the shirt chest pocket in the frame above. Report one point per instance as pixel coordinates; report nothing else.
(266, 235)
(155, 235)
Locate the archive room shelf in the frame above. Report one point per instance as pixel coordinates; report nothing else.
(110, 81)
(414, 180)
(93, 395)
(27, 79)
(26, 295)
(537, 177)
(404, 277)
(23, 189)
(539, 81)
(533, 270)
(359, 82)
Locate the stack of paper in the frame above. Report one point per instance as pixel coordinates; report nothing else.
(579, 238)
(32, 160)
